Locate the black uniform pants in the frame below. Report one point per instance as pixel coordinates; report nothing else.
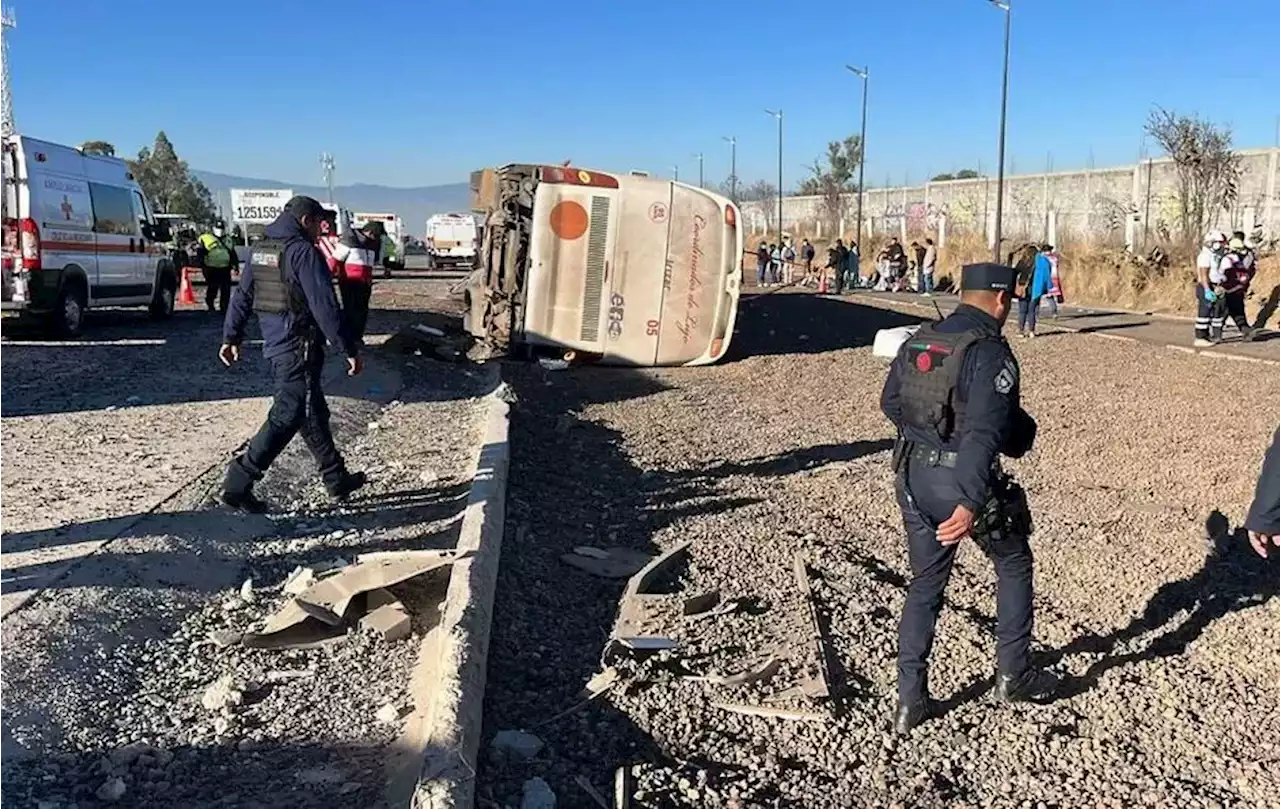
(927, 495)
(355, 305)
(1210, 315)
(1234, 302)
(298, 406)
(217, 287)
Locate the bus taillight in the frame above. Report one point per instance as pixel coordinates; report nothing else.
(572, 176)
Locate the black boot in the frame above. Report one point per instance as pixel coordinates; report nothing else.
(342, 488)
(245, 501)
(1032, 685)
(911, 714)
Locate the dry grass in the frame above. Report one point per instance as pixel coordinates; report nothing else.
(1096, 274)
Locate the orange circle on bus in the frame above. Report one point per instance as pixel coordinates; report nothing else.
(568, 220)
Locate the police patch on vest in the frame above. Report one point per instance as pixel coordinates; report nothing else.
(1005, 380)
(265, 259)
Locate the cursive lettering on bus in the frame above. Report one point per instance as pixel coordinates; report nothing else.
(690, 320)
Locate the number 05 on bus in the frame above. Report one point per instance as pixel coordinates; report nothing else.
(627, 269)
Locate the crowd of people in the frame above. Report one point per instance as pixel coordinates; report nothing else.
(905, 269)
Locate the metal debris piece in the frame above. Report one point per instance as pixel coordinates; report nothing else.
(591, 791)
(599, 683)
(769, 713)
(816, 680)
(607, 563)
(698, 605)
(724, 608)
(299, 580)
(652, 643)
(246, 592)
(763, 672)
(328, 600)
(643, 579)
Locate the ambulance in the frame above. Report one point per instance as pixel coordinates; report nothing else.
(78, 233)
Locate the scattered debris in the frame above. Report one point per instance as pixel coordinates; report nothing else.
(607, 563)
(594, 793)
(388, 714)
(550, 364)
(817, 681)
(224, 692)
(516, 744)
(599, 683)
(624, 784)
(327, 600)
(246, 591)
(724, 608)
(429, 331)
(112, 789)
(389, 621)
(643, 579)
(537, 795)
(701, 604)
(223, 638)
(299, 580)
(763, 672)
(284, 675)
(771, 713)
(650, 643)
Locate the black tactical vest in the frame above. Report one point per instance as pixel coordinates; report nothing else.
(930, 372)
(274, 292)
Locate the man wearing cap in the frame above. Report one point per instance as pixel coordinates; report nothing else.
(287, 284)
(953, 394)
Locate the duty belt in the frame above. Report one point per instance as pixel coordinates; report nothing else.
(933, 457)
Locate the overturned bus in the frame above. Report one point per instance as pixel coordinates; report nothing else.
(623, 269)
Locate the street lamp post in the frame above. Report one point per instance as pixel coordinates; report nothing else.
(675, 173)
(700, 181)
(863, 74)
(778, 114)
(733, 168)
(1006, 7)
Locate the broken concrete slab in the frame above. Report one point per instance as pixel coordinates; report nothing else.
(390, 622)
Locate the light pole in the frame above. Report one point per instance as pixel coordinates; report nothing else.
(778, 114)
(1006, 7)
(675, 173)
(698, 155)
(863, 74)
(733, 168)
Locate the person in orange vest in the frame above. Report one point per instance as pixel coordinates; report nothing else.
(356, 253)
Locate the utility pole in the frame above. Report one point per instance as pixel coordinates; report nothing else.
(863, 74)
(700, 177)
(778, 114)
(327, 164)
(7, 22)
(1003, 5)
(675, 173)
(733, 168)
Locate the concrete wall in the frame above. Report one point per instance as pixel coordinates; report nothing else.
(1109, 204)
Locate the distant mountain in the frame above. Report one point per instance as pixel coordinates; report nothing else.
(413, 204)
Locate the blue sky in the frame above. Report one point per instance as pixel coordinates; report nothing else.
(407, 92)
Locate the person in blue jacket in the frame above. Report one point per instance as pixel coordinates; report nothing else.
(1038, 286)
(1263, 522)
(287, 284)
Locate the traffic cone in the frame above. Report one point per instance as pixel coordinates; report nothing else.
(186, 294)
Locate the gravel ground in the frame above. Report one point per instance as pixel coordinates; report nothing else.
(1169, 641)
(106, 670)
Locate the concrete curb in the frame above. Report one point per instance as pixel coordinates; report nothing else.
(449, 679)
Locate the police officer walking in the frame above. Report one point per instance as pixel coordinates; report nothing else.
(953, 393)
(216, 255)
(287, 284)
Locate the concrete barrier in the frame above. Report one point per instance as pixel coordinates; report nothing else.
(449, 679)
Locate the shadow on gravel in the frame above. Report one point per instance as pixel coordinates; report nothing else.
(267, 775)
(187, 532)
(804, 459)
(571, 483)
(800, 323)
(1232, 578)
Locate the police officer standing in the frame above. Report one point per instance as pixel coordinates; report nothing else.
(953, 394)
(287, 284)
(216, 255)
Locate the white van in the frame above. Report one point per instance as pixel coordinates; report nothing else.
(78, 233)
(451, 240)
